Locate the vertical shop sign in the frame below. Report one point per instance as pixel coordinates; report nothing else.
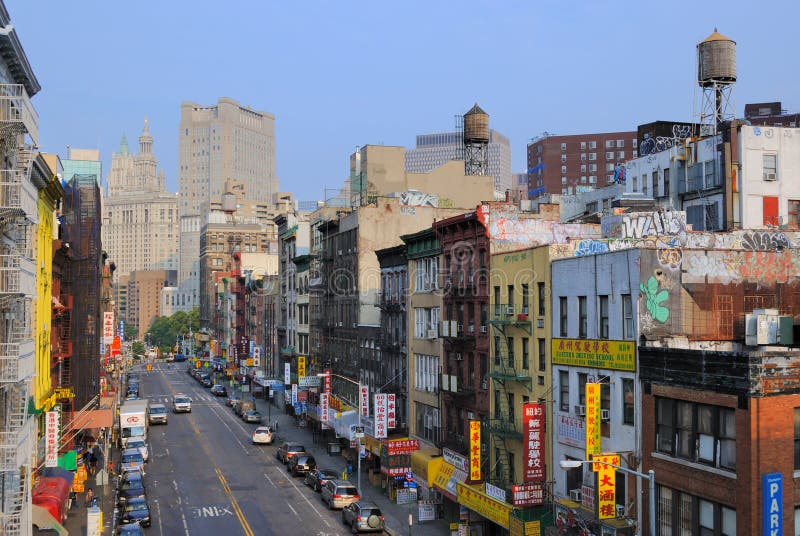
(592, 419)
(533, 442)
(474, 450)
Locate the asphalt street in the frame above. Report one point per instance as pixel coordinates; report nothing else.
(205, 477)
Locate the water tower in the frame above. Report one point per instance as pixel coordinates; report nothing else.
(716, 75)
(476, 142)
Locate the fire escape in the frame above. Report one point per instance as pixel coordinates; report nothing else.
(62, 349)
(18, 210)
(502, 424)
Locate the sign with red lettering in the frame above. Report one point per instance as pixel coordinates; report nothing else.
(474, 450)
(381, 416)
(606, 484)
(391, 420)
(52, 425)
(531, 494)
(327, 381)
(402, 446)
(533, 442)
(324, 404)
(364, 401)
(108, 327)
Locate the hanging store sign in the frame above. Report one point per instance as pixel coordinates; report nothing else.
(533, 442)
(391, 416)
(592, 419)
(301, 366)
(455, 459)
(531, 494)
(488, 507)
(495, 492)
(772, 504)
(381, 417)
(108, 327)
(401, 446)
(606, 484)
(309, 381)
(474, 450)
(294, 393)
(363, 400)
(611, 355)
(52, 426)
(256, 356)
(324, 406)
(570, 431)
(287, 373)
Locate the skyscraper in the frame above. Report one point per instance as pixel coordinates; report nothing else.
(217, 143)
(433, 150)
(140, 217)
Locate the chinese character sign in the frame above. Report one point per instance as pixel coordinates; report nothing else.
(474, 450)
(294, 393)
(257, 356)
(592, 419)
(364, 400)
(381, 417)
(301, 366)
(108, 327)
(287, 373)
(327, 381)
(391, 420)
(324, 405)
(606, 485)
(533, 442)
(52, 424)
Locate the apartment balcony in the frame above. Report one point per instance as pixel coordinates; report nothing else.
(505, 373)
(287, 351)
(510, 315)
(17, 361)
(16, 446)
(462, 393)
(17, 275)
(503, 428)
(18, 197)
(17, 114)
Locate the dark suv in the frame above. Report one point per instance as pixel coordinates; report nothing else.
(288, 449)
(363, 517)
(301, 464)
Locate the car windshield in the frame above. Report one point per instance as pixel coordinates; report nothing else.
(136, 444)
(132, 484)
(134, 506)
(296, 448)
(346, 490)
(132, 432)
(132, 457)
(181, 400)
(155, 410)
(327, 473)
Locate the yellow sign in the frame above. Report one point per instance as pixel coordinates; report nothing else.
(612, 355)
(301, 366)
(249, 362)
(606, 485)
(487, 506)
(474, 450)
(64, 392)
(592, 419)
(518, 527)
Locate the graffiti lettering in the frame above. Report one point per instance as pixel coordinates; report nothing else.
(670, 258)
(764, 241)
(652, 224)
(418, 199)
(589, 247)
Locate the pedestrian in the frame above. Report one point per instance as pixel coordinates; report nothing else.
(92, 463)
(89, 497)
(276, 425)
(110, 467)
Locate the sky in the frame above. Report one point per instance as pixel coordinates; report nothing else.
(339, 74)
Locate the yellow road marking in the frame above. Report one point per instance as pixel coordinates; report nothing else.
(245, 525)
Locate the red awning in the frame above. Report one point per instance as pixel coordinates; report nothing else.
(92, 420)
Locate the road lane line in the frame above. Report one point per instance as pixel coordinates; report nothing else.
(239, 514)
(292, 509)
(158, 516)
(291, 481)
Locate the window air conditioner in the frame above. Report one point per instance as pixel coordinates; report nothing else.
(431, 333)
(605, 415)
(770, 177)
(471, 328)
(470, 415)
(580, 410)
(524, 310)
(459, 356)
(575, 495)
(485, 385)
(484, 329)
(510, 310)
(620, 510)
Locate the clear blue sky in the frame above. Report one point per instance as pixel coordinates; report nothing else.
(338, 74)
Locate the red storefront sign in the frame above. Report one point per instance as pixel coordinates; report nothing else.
(327, 381)
(391, 421)
(401, 446)
(533, 442)
(531, 494)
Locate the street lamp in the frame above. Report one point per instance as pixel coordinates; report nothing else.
(651, 476)
(358, 438)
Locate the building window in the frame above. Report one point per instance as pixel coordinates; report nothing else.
(794, 213)
(525, 354)
(628, 398)
(610, 155)
(603, 313)
(563, 316)
(700, 433)
(426, 374)
(627, 317)
(427, 274)
(510, 341)
(666, 182)
(563, 146)
(426, 322)
(525, 299)
(542, 354)
(563, 385)
(541, 293)
(497, 351)
(428, 424)
(583, 318)
(620, 144)
(797, 439)
(592, 156)
(609, 144)
(583, 146)
(681, 513)
(770, 167)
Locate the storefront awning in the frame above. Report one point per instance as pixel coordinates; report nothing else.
(421, 463)
(445, 477)
(44, 520)
(91, 420)
(489, 507)
(569, 513)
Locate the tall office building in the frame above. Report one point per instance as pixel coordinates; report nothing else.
(84, 162)
(139, 216)
(217, 143)
(433, 150)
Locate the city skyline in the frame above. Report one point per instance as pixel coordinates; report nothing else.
(300, 79)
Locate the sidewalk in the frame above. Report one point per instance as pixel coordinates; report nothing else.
(106, 496)
(396, 515)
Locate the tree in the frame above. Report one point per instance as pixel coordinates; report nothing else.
(130, 332)
(137, 348)
(164, 331)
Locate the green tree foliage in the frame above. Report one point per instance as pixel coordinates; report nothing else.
(165, 330)
(137, 348)
(130, 332)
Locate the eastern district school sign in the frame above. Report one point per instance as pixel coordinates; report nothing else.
(592, 353)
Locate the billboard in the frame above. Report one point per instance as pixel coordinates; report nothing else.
(533, 442)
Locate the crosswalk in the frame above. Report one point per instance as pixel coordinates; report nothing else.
(167, 399)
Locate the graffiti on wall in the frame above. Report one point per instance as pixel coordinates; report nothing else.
(654, 298)
(643, 224)
(764, 240)
(654, 144)
(416, 198)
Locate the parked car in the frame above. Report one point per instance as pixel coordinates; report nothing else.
(243, 406)
(133, 529)
(132, 460)
(230, 400)
(301, 464)
(205, 380)
(138, 442)
(252, 416)
(363, 517)
(339, 493)
(235, 402)
(158, 414)
(132, 396)
(219, 390)
(263, 435)
(136, 511)
(317, 477)
(131, 486)
(181, 403)
(289, 449)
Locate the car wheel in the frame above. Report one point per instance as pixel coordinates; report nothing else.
(318, 487)
(330, 504)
